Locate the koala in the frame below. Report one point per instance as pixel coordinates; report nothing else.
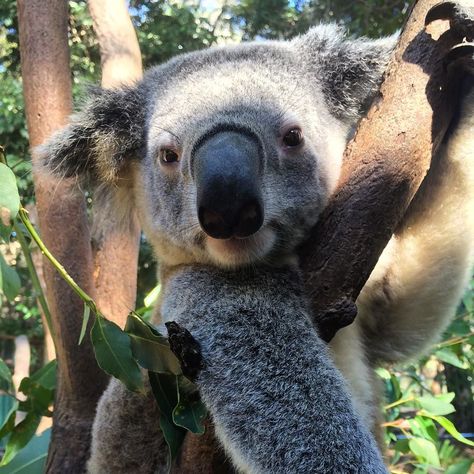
(229, 156)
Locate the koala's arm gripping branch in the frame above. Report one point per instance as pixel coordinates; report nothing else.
(383, 167)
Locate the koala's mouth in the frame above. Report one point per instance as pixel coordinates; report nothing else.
(241, 251)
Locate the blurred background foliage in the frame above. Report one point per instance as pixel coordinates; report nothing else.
(167, 28)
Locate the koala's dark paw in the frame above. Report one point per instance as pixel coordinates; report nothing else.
(186, 349)
(460, 15)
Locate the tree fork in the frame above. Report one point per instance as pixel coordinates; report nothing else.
(63, 223)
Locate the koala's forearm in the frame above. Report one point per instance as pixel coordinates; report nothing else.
(421, 275)
(278, 403)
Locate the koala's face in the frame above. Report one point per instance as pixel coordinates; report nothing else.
(240, 158)
(233, 151)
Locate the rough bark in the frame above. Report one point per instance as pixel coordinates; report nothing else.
(383, 167)
(115, 248)
(64, 228)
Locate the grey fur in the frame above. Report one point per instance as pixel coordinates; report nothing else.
(277, 401)
(322, 82)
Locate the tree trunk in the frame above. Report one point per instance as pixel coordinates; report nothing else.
(115, 248)
(64, 228)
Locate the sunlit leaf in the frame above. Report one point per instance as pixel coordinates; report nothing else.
(19, 437)
(164, 388)
(449, 427)
(10, 283)
(425, 451)
(190, 412)
(435, 405)
(9, 197)
(112, 348)
(151, 297)
(449, 357)
(151, 349)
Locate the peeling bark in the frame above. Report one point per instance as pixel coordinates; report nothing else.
(64, 229)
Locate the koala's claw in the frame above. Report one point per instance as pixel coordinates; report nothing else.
(186, 349)
(460, 14)
(461, 57)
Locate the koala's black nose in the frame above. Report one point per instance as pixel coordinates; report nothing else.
(227, 172)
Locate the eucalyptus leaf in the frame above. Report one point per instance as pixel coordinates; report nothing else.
(9, 422)
(190, 412)
(164, 387)
(150, 348)
(6, 383)
(20, 436)
(46, 376)
(112, 348)
(449, 357)
(435, 406)
(425, 451)
(9, 197)
(10, 283)
(449, 427)
(32, 458)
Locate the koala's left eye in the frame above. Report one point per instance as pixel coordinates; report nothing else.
(167, 155)
(293, 137)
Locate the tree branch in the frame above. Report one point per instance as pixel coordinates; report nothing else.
(383, 167)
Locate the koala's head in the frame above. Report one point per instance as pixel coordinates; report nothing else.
(234, 151)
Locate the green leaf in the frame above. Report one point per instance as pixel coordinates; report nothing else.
(112, 348)
(9, 197)
(165, 390)
(424, 428)
(435, 405)
(9, 423)
(190, 412)
(32, 458)
(151, 297)
(448, 426)
(46, 376)
(6, 383)
(9, 280)
(462, 467)
(21, 434)
(425, 451)
(150, 348)
(383, 373)
(449, 357)
(85, 320)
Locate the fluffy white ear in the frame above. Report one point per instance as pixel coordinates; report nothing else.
(101, 138)
(349, 70)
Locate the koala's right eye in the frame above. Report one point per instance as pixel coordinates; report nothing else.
(168, 155)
